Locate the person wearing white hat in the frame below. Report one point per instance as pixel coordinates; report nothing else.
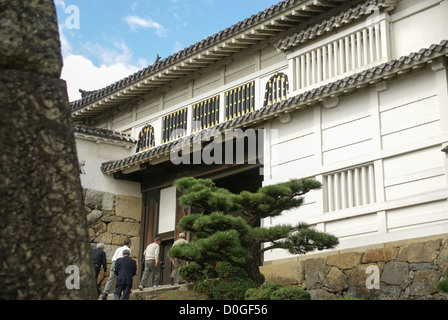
(177, 263)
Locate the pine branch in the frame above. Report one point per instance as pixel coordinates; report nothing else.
(221, 233)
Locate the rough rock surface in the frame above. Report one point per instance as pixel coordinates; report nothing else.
(43, 225)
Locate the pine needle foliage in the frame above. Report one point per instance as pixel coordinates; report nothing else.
(228, 225)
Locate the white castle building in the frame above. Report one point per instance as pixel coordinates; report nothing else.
(351, 93)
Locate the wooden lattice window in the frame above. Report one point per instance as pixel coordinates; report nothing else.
(174, 125)
(240, 101)
(349, 188)
(205, 114)
(276, 89)
(146, 138)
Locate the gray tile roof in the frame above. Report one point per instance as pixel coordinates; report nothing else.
(364, 78)
(89, 97)
(352, 14)
(103, 133)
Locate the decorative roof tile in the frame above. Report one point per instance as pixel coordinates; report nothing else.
(103, 133)
(352, 14)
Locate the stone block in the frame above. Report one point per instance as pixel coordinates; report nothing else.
(358, 276)
(420, 252)
(94, 199)
(93, 217)
(289, 273)
(315, 271)
(92, 234)
(424, 283)
(336, 280)
(345, 260)
(395, 273)
(108, 201)
(359, 292)
(442, 259)
(130, 229)
(128, 207)
(105, 237)
(391, 292)
(99, 227)
(118, 239)
(111, 218)
(321, 294)
(379, 255)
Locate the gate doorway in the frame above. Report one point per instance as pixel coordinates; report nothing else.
(165, 264)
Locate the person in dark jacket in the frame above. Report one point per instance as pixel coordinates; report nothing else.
(99, 259)
(125, 269)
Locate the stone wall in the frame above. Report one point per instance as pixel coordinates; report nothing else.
(407, 270)
(111, 219)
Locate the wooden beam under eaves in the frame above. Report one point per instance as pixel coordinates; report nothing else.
(138, 88)
(303, 14)
(207, 58)
(292, 19)
(167, 75)
(268, 31)
(241, 43)
(186, 67)
(197, 63)
(227, 48)
(159, 80)
(218, 53)
(270, 26)
(253, 35)
(176, 70)
(324, 3)
(284, 24)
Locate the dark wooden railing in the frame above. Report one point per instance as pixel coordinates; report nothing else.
(240, 101)
(174, 125)
(205, 114)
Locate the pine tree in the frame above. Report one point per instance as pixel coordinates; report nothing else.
(228, 225)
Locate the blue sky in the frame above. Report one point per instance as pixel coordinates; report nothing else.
(106, 40)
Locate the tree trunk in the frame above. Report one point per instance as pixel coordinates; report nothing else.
(252, 266)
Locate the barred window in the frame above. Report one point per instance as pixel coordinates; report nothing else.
(240, 101)
(276, 89)
(174, 125)
(146, 138)
(349, 188)
(205, 114)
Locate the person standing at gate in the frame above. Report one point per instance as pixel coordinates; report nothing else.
(112, 276)
(151, 254)
(99, 259)
(177, 263)
(125, 269)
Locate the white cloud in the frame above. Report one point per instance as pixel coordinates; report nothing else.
(60, 3)
(118, 53)
(80, 73)
(136, 22)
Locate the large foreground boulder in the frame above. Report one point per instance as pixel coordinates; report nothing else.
(45, 251)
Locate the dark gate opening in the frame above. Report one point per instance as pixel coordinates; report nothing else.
(165, 264)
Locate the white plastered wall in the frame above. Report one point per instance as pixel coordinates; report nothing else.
(398, 129)
(91, 155)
